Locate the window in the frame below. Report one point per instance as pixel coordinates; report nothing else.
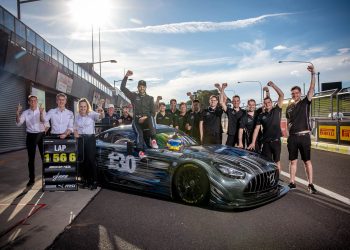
(9, 21)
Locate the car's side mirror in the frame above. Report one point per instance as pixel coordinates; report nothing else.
(130, 147)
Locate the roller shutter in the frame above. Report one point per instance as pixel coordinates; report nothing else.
(12, 92)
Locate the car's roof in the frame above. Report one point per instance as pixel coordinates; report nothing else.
(129, 127)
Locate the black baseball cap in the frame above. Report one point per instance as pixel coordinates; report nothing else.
(142, 82)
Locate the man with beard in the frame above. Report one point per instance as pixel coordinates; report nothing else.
(143, 106)
(299, 139)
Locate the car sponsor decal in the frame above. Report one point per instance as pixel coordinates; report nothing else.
(121, 163)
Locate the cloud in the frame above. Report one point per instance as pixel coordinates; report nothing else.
(280, 47)
(134, 20)
(193, 27)
(343, 51)
(295, 73)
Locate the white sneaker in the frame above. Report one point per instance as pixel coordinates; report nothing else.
(154, 144)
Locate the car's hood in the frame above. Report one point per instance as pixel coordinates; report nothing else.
(241, 159)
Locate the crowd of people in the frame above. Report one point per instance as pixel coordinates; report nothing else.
(252, 129)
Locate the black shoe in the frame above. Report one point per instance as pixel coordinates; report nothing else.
(311, 189)
(292, 185)
(30, 183)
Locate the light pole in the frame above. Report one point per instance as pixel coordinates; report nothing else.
(19, 2)
(261, 89)
(318, 73)
(129, 79)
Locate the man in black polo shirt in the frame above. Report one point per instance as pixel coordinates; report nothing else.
(297, 114)
(234, 116)
(270, 120)
(164, 117)
(210, 123)
(193, 119)
(248, 122)
(174, 111)
(143, 106)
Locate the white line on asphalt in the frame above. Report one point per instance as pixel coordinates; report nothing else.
(321, 190)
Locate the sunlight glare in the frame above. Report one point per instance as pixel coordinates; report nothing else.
(88, 12)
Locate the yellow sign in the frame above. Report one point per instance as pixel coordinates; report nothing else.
(327, 132)
(60, 157)
(345, 133)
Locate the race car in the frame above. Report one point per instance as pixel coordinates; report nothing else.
(223, 176)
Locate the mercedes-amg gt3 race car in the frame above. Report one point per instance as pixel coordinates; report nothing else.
(224, 176)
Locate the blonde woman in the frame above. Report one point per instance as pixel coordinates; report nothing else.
(84, 126)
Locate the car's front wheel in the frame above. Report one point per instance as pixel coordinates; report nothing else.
(191, 184)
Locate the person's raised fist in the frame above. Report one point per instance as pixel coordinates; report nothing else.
(188, 94)
(159, 98)
(19, 108)
(224, 85)
(129, 73)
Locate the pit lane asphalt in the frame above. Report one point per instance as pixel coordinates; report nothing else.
(117, 219)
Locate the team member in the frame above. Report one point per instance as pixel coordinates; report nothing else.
(35, 132)
(61, 118)
(248, 122)
(143, 106)
(270, 120)
(84, 126)
(299, 139)
(174, 111)
(234, 115)
(111, 119)
(181, 120)
(126, 118)
(164, 117)
(247, 126)
(193, 120)
(210, 123)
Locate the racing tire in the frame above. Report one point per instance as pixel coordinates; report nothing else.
(191, 184)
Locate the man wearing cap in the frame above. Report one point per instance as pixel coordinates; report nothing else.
(35, 132)
(144, 112)
(111, 118)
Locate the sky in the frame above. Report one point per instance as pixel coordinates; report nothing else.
(181, 46)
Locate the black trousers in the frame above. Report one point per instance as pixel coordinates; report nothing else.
(231, 140)
(88, 167)
(209, 139)
(32, 140)
(149, 123)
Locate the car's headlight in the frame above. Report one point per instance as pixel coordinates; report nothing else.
(230, 171)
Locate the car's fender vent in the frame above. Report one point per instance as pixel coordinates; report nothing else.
(263, 182)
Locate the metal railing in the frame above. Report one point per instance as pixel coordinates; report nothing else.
(24, 37)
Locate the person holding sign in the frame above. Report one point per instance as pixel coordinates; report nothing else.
(35, 132)
(84, 126)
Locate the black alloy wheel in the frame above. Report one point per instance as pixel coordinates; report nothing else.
(191, 184)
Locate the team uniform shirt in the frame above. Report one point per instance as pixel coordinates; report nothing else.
(166, 119)
(85, 125)
(181, 121)
(175, 116)
(234, 118)
(211, 121)
(60, 120)
(271, 123)
(32, 120)
(248, 123)
(298, 116)
(193, 119)
(126, 120)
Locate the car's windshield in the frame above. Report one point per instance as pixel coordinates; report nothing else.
(163, 136)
